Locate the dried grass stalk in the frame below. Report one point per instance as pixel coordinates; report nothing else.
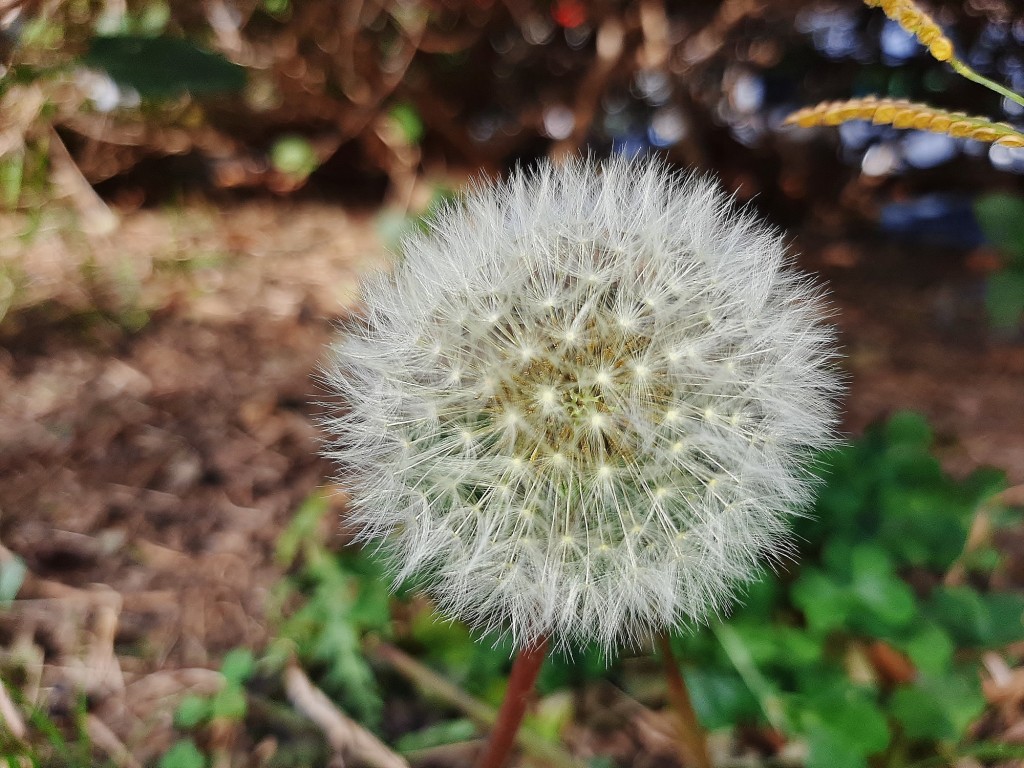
(909, 15)
(905, 114)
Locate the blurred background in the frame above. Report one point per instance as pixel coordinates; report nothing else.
(190, 192)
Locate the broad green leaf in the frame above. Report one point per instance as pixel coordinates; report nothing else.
(887, 600)
(237, 666)
(843, 717)
(961, 612)
(930, 649)
(294, 156)
(909, 429)
(976, 620)
(1001, 217)
(921, 714)
(1006, 614)
(829, 750)
(938, 707)
(825, 603)
(183, 754)
(1004, 298)
(191, 711)
(721, 698)
(445, 732)
(163, 67)
(12, 576)
(302, 529)
(228, 704)
(12, 175)
(408, 121)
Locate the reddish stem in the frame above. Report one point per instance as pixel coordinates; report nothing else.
(520, 687)
(694, 741)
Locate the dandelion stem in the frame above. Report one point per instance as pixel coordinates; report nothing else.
(694, 740)
(520, 687)
(965, 71)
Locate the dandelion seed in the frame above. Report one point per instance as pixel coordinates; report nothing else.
(608, 380)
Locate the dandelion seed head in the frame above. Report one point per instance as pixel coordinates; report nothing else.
(583, 404)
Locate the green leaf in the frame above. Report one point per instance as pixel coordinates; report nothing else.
(1006, 614)
(843, 718)
(938, 707)
(12, 576)
(887, 601)
(294, 156)
(825, 604)
(960, 611)
(302, 529)
(183, 754)
(908, 428)
(237, 666)
(1001, 217)
(1004, 298)
(12, 176)
(228, 704)
(930, 649)
(721, 698)
(446, 732)
(408, 121)
(163, 67)
(191, 711)
(276, 7)
(975, 620)
(829, 750)
(921, 714)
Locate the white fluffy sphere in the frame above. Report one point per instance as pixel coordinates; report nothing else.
(583, 404)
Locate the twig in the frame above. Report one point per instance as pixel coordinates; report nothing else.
(981, 531)
(104, 738)
(97, 218)
(433, 686)
(346, 737)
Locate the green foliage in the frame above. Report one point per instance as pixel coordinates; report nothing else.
(294, 156)
(183, 754)
(394, 226)
(445, 732)
(12, 575)
(163, 67)
(345, 597)
(51, 744)
(801, 643)
(407, 120)
(797, 655)
(1001, 217)
(226, 705)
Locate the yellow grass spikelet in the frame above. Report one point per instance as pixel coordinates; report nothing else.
(909, 15)
(906, 114)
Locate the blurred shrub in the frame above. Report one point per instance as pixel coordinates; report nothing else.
(481, 82)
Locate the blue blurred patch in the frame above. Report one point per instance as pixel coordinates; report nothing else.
(936, 219)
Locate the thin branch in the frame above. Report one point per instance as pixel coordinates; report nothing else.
(346, 737)
(435, 687)
(104, 738)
